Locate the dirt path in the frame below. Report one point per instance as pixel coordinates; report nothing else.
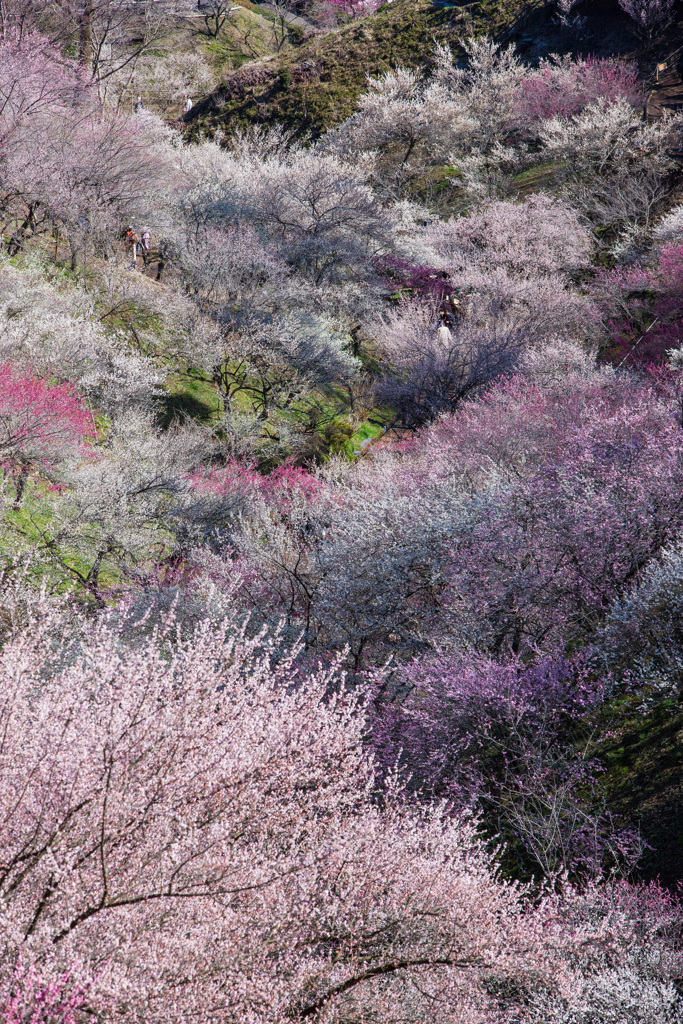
(291, 19)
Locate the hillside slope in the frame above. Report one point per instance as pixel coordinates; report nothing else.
(309, 87)
(316, 84)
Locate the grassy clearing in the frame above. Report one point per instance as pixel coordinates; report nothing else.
(534, 179)
(188, 396)
(247, 36)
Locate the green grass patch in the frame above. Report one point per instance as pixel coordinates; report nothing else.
(247, 36)
(191, 395)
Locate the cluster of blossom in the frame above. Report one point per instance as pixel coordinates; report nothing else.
(193, 827)
(27, 996)
(498, 117)
(37, 420)
(269, 225)
(506, 531)
(559, 87)
(353, 8)
(504, 272)
(510, 526)
(650, 17)
(641, 304)
(504, 737)
(207, 823)
(60, 334)
(406, 278)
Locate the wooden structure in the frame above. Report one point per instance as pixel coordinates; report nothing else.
(666, 92)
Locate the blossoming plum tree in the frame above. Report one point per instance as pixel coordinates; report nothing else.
(193, 828)
(39, 425)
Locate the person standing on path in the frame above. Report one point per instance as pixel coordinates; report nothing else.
(131, 237)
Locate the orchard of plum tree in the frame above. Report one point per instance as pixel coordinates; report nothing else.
(341, 512)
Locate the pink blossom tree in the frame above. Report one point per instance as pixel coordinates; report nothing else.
(87, 172)
(66, 162)
(536, 238)
(35, 81)
(40, 424)
(34, 76)
(561, 87)
(26, 995)
(621, 514)
(642, 308)
(193, 825)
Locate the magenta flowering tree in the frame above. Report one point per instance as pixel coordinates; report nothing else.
(27, 995)
(414, 279)
(560, 88)
(40, 424)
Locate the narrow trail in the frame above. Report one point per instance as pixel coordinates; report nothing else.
(291, 19)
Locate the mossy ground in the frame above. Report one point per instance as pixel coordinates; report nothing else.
(642, 752)
(247, 36)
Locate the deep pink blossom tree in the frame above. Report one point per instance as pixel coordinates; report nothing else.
(560, 88)
(277, 487)
(39, 424)
(414, 279)
(27, 995)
